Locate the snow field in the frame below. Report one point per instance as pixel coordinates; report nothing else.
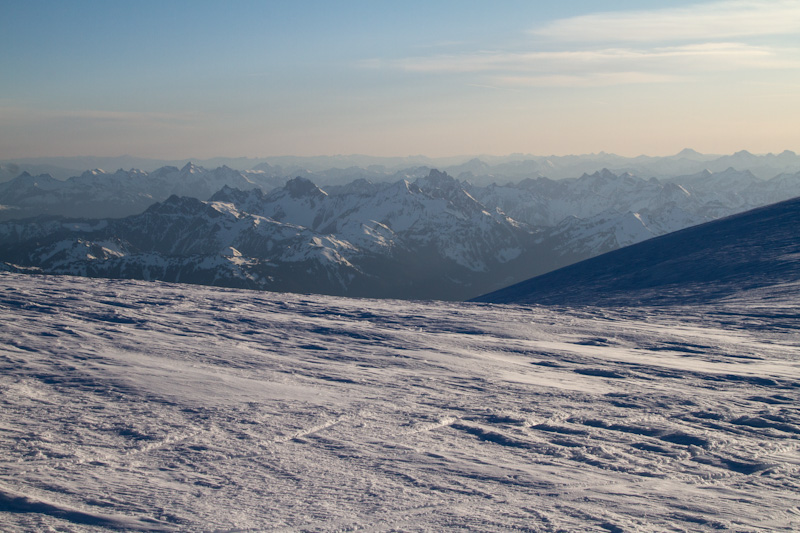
(148, 406)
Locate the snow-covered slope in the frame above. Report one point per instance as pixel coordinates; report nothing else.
(138, 406)
(759, 248)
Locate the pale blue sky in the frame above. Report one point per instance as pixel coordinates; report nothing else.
(178, 79)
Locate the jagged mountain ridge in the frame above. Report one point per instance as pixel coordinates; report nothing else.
(434, 237)
(181, 239)
(535, 201)
(596, 213)
(432, 211)
(444, 243)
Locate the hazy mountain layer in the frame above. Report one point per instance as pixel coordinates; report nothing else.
(483, 169)
(97, 194)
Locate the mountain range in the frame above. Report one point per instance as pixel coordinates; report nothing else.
(480, 169)
(431, 237)
(423, 239)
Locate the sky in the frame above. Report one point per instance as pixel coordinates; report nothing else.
(199, 79)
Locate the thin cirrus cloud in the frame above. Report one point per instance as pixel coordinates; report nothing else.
(694, 56)
(658, 46)
(597, 79)
(711, 21)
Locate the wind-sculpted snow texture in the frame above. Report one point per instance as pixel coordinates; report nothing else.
(132, 406)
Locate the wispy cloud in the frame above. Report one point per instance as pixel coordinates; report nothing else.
(442, 44)
(706, 22)
(596, 79)
(716, 56)
(657, 46)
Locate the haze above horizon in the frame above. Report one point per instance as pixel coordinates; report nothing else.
(204, 79)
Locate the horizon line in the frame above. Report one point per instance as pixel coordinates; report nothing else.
(409, 156)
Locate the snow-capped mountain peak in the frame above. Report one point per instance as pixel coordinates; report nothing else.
(94, 172)
(191, 168)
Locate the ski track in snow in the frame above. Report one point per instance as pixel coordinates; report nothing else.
(146, 406)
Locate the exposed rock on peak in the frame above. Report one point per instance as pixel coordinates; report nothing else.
(300, 187)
